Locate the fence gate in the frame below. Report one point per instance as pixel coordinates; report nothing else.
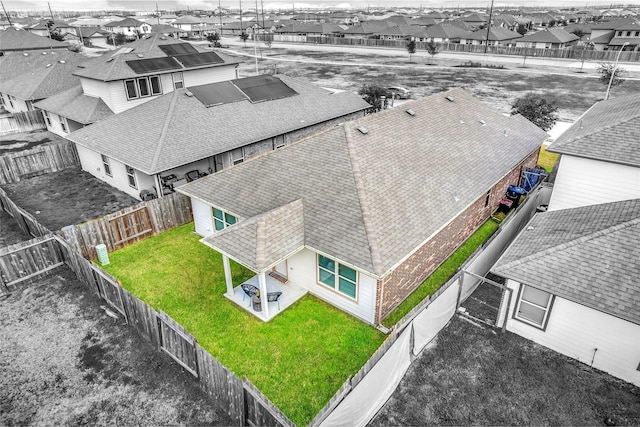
(109, 290)
(32, 164)
(132, 225)
(177, 343)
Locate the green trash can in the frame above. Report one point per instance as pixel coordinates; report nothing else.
(103, 255)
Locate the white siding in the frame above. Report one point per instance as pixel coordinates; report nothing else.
(209, 75)
(584, 182)
(92, 162)
(118, 97)
(577, 331)
(19, 105)
(303, 272)
(96, 88)
(202, 218)
(56, 126)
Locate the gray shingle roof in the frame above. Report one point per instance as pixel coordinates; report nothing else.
(259, 242)
(35, 75)
(372, 199)
(550, 35)
(495, 34)
(113, 65)
(20, 40)
(75, 105)
(176, 129)
(590, 255)
(608, 131)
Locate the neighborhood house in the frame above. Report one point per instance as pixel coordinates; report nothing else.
(360, 214)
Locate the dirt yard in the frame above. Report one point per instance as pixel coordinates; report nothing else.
(476, 376)
(573, 92)
(67, 197)
(10, 233)
(63, 361)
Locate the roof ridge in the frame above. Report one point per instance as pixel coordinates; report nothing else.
(165, 128)
(582, 239)
(371, 234)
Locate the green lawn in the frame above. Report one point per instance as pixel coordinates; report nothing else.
(298, 360)
(442, 273)
(546, 159)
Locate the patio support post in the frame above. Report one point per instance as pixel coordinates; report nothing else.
(158, 185)
(263, 294)
(227, 275)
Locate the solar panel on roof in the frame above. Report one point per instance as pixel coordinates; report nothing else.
(142, 66)
(264, 88)
(177, 49)
(217, 93)
(195, 59)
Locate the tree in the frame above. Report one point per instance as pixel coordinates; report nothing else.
(606, 70)
(537, 109)
(578, 32)
(117, 39)
(53, 33)
(521, 29)
(373, 95)
(432, 49)
(411, 47)
(244, 36)
(213, 38)
(580, 50)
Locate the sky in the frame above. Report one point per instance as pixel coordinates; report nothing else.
(82, 5)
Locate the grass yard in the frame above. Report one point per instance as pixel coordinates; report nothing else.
(442, 273)
(298, 360)
(546, 159)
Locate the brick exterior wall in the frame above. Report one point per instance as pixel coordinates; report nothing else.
(398, 285)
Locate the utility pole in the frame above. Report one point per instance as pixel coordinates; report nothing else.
(6, 14)
(262, 7)
(488, 27)
(157, 13)
(220, 10)
(241, 28)
(50, 12)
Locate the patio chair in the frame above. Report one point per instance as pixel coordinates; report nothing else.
(274, 297)
(192, 175)
(249, 290)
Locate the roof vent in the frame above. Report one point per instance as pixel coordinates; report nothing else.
(188, 93)
(25, 54)
(48, 65)
(449, 98)
(62, 61)
(456, 198)
(411, 112)
(504, 132)
(482, 122)
(140, 55)
(363, 130)
(461, 121)
(110, 59)
(44, 53)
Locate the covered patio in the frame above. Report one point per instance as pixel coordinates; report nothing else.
(262, 244)
(290, 294)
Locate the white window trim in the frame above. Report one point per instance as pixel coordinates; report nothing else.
(224, 221)
(64, 124)
(106, 164)
(547, 309)
(136, 83)
(131, 173)
(237, 161)
(337, 277)
(47, 117)
(179, 80)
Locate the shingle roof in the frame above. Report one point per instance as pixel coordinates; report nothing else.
(20, 40)
(259, 240)
(608, 131)
(589, 255)
(176, 129)
(127, 22)
(495, 33)
(447, 31)
(90, 31)
(75, 105)
(372, 199)
(550, 35)
(36, 75)
(113, 66)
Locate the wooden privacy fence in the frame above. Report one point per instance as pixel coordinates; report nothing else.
(129, 225)
(28, 260)
(568, 53)
(24, 219)
(24, 121)
(38, 161)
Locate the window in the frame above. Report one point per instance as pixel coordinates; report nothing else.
(131, 176)
(106, 164)
(487, 199)
(337, 276)
(533, 306)
(63, 124)
(619, 33)
(143, 87)
(237, 156)
(628, 33)
(46, 116)
(10, 100)
(221, 219)
(178, 81)
(278, 142)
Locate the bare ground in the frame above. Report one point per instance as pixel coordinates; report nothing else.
(475, 376)
(63, 361)
(16, 142)
(67, 197)
(10, 233)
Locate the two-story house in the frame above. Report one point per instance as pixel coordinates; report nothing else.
(205, 128)
(132, 75)
(130, 27)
